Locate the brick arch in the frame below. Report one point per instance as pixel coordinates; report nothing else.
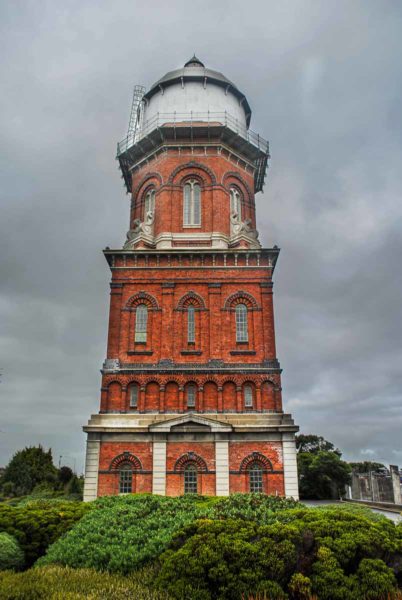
(241, 297)
(193, 165)
(148, 177)
(256, 457)
(142, 298)
(240, 180)
(190, 458)
(191, 299)
(125, 457)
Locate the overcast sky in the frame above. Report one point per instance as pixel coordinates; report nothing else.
(324, 81)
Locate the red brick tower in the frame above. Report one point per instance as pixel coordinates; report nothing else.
(191, 391)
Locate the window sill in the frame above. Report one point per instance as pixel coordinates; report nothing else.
(136, 352)
(197, 352)
(237, 352)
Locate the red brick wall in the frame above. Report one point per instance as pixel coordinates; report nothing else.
(239, 482)
(175, 481)
(108, 483)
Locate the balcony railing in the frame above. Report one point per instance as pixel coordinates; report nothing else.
(193, 120)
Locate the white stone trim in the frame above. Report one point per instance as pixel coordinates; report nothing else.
(91, 470)
(290, 466)
(222, 468)
(159, 469)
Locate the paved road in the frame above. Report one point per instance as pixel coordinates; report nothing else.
(396, 517)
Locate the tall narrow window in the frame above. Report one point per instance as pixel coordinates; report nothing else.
(255, 474)
(241, 323)
(191, 325)
(248, 396)
(192, 204)
(134, 395)
(190, 479)
(149, 202)
(191, 392)
(126, 479)
(235, 201)
(141, 319)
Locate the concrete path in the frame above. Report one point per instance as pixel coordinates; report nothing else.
(397, 518)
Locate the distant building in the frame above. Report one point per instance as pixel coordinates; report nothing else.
(191, 386)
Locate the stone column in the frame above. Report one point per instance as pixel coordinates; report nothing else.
(159, 469)
(222, 468)
(290, 465)
(91, 469)
(396, 483)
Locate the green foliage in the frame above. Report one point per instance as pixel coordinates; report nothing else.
(36, 525)
(322, 475)
(314, 443)
(367, 466)
(65, 474)
(335, 554)
(27, 468)
(11, 555)
(59, 583)
(256, 507)
(122, 533)
(75, 487)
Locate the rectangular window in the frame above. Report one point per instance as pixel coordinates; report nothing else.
(141, 319)
(256, 480)
(191, 396)
(190, 481)
(134, 396)
(126, 481)
(248, 397)
(241, 323)
(190, 325)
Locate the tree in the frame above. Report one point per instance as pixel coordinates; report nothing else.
(29, 467)
(314, 443)
(368, 466)
(322, 473)
(65, 474)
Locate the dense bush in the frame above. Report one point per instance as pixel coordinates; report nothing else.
(60, 583)
(125, 532)
(255, 507)
(336, 555)
(36, 525)
(11, 555)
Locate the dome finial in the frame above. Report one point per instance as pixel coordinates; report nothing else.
(194, 62)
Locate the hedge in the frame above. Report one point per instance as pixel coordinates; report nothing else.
(38, 524)
(11, 555)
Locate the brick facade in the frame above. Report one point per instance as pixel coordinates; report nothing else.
(189, 383)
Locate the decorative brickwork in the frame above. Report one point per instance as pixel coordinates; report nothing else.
(191, 385)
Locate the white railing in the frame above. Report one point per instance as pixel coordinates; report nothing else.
(193, 119)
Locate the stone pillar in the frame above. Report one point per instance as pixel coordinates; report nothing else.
(222, 468)
(91, 469)
(159, 468)
(396, 483)
(290, 465)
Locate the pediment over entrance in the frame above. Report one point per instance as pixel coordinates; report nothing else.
(190, 423)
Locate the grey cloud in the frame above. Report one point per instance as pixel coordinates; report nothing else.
(324, 83)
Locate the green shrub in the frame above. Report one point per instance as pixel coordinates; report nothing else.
(60, 583)
(122, 533)
(11, 555)
(336, 555)
(255, 507)
(36, 525)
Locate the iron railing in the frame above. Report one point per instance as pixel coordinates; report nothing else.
(194, 120)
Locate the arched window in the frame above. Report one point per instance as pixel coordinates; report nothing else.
(192, 204)
(190, 479)
(255, 478)
(141, 318)
(248, 396)
(191, 325)
(149, 202)
(241, 323)
(134, 394)
(235, 202)
(191, 392)
(125, 479)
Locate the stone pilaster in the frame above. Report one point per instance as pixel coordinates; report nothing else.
(91, 470)
(222, 468)
(159, 468)
(290, 465)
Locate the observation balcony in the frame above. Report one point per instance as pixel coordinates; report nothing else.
(193, 129)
